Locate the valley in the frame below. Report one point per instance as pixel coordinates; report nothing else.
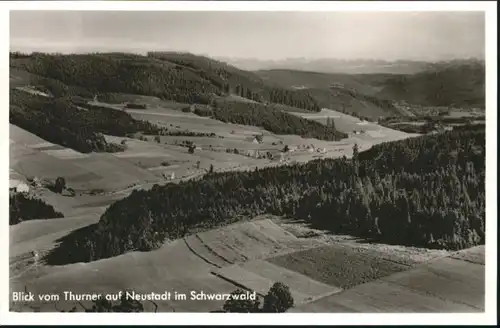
(212, 182)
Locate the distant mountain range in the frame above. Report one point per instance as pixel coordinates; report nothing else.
(355, 66)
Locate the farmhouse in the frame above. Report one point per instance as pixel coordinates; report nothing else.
(169, 176)
(18, 186)
(253, 140)
(36, 182)
(252, 153)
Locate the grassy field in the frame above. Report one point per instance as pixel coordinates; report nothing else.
(443, 285)
(143, 162)
(246, 241)
(33, 163)
(315, 272)
(349, 124)
(42, 234)
(173, 267)
(473, 255)
(456, 280)
(263, 251)
(260, 275)
(381, 297)
(339, 265)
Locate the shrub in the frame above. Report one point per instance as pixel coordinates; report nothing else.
(278, 299)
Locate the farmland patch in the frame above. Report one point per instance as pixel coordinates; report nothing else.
(451, 279)
(260, 275)
(65, 153)
(474, 255)
(340, 265)
(246, 241)
(381, 297)
(171, 268)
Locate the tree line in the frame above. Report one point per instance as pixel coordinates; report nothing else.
(184, 78)
(25, 208)
(272, 119)
(424, 192)
(459, 85)
(77, 126)
(277, 300)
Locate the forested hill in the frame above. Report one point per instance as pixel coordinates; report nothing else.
(61, 121)
(351, 94)
(426, 191)
(453, 85)
(24, 208)
(180, 77)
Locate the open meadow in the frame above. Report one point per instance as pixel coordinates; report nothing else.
(252, 254)
(445, 284)
(325, 272)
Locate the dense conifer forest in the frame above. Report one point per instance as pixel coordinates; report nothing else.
(180, 77)
(64, 123)
(77, 125)
(459, 85)
(24, 208)
(273, 120)
(425, 192)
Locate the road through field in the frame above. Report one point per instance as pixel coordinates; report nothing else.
(149, 185)
(148, 112)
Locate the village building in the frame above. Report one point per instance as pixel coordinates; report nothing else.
(253, 140)
(18, 186)
(36, 182)
(169, 176)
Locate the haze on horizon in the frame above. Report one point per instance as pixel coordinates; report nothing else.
(427, 36)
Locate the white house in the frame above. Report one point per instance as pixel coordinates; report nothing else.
(169, 176)
(36, 182)
(18, 186)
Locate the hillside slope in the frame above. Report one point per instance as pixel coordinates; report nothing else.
(356, 95)
(180, 77)
(453, 85)
(368, 84)
(405, 192)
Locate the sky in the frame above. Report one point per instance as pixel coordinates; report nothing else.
(388, 36)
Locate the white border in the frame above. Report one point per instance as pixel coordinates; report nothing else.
(489, 317)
